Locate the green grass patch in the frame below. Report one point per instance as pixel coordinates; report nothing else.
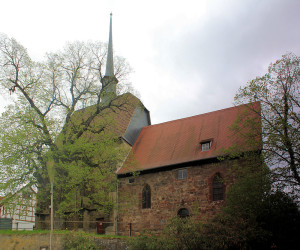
(24, 232)
(38, 231)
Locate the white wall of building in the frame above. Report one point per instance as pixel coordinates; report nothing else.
(21, 209)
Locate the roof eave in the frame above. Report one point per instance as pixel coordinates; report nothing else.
(178, 164)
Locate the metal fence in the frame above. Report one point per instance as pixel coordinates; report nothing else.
(99, 226)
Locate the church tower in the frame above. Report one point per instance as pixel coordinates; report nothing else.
(109, 81)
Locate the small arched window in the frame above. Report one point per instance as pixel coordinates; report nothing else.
(218, 188)
(146, 197)
(183, 213)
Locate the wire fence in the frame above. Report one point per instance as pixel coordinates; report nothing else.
(99, 226)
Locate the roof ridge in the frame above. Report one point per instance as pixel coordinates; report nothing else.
(194, 116)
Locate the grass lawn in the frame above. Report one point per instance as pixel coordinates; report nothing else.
(38, 231)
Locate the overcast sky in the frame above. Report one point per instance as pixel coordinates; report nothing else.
(189, 57)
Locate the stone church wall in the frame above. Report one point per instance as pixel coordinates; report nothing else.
(168, 195)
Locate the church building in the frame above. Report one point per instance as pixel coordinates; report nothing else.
(169, 169)
(173, 169)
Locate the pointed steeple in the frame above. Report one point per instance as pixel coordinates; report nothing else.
(110, 61)
(109, 81)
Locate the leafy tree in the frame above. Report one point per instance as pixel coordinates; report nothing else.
(44, 122)
(280, 215)
(279, 94)
(272, 222)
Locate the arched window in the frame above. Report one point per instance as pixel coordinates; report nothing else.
(183, 213)
(218, 188)
(146, 197)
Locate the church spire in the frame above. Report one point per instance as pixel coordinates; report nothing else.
(110, 61)
(109, 81)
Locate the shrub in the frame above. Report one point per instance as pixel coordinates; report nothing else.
(78, 241)
(281, 217)
(180, 233)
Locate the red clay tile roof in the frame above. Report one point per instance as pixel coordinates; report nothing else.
(179, 141)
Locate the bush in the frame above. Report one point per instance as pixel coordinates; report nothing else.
(281, 217)
(78, 241)
(147, 240)
(180, 233)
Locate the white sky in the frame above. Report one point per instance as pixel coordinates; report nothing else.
(189, 57)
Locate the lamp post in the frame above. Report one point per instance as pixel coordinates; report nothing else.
(51, 230)
(50, 168)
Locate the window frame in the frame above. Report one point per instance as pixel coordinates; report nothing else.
(204, 144)
(182, 174)
(131, 180)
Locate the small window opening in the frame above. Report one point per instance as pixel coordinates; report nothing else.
(205, 146)
(131, 180)
(183, 213)
(146, 197)
(182, 174)
(218, 188)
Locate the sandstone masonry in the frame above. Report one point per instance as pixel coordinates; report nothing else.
(168, 195)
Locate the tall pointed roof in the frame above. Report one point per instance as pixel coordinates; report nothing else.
(110, 62)
(124, 118)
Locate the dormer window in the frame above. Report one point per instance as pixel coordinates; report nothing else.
(205, 146)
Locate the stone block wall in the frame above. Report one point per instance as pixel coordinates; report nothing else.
(41, 241)
(168, 195)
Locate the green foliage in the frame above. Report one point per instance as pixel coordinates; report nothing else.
(21, 145)
(278, 93)
(46, 124)
(61, 232)
(273, 223)
(78, 241)
(251, 183)
(236, 227)
(24, 232)
(178, 234)
(88, 165)
(254, 212)
(148, 241)
(280, 215)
